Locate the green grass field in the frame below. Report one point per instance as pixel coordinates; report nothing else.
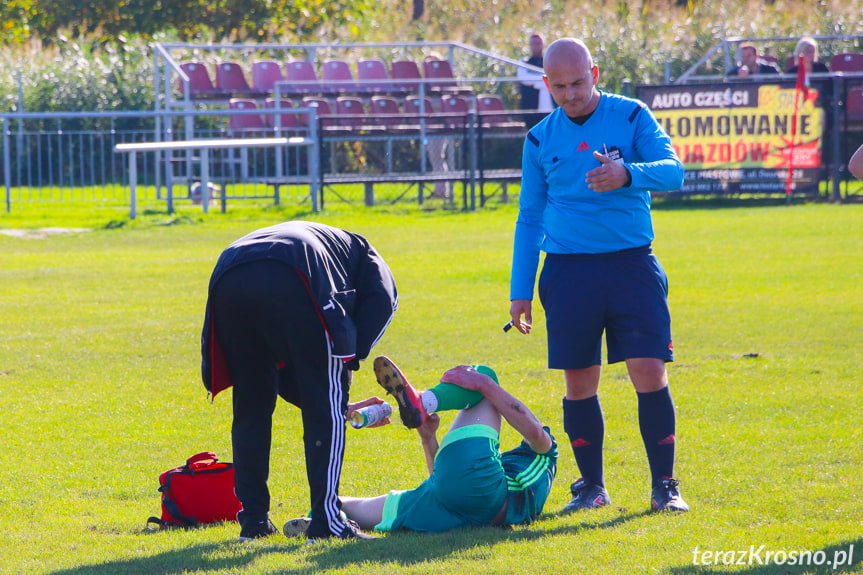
(100, 392)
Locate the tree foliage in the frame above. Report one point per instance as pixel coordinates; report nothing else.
(262, 20)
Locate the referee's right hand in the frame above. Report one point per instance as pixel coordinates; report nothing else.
(517, 309)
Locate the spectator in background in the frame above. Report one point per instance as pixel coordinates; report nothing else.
(534, 93)
(855, 164)
(808, 48)
(751, 64)
(439, 150)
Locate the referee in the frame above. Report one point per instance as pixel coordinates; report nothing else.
(587, 172)
(292, 309)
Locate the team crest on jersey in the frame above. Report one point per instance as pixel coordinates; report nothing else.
(614, 154)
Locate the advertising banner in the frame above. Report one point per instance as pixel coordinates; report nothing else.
(738, 137)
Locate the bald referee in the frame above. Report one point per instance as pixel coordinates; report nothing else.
(587, 172)
(292, 310)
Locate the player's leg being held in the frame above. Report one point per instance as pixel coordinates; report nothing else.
(415, 406)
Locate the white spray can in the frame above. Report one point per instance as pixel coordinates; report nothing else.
(370, 415)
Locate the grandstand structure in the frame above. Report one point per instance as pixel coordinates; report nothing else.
(421, 116)
(379, 112)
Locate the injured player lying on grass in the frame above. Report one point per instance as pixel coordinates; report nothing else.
(471, 483)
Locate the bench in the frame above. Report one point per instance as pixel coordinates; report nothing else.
(204, 146)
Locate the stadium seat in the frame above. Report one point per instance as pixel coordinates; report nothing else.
(324, 110)
(456, 110)
(302, 78)
(288, 121)
(373, 77)
(265, 74)
(384, 110)
(336, 77)
(200, 84)
(412, 107)
(231, 79)
(244, 122)
(413, 114)
(854, 107)
(350, 111)
(407, 74)
(485, 104)
(440, 76)
(847, 62)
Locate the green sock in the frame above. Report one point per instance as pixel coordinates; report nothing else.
(452, 397)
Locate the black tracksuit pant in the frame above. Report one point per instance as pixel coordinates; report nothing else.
(265, 317)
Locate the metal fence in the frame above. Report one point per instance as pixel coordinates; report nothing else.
(68, 156)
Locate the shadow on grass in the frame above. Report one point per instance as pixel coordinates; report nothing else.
(220, 557)
(398, 549)
(841, 557)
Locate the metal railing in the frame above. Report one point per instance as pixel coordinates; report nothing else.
(64, 156)
(71, 155)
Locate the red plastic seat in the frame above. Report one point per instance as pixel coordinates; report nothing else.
(322, 105)
(439, 72)
(487, 106)
(385, 110)
(407, 74)
(847, 62)
(237, 122)
(486, 103)
(302, 77)
(200, 84)
(854, 106)
(350, 110)
(288, 121)
(231, 79)
(336, 77)
(440, 76)
(265, 74)
(412, 108)
(456, 108)
(372, 75)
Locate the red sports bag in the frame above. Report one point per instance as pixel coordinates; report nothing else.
(199, 492)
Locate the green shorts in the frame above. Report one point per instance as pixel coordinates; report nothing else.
(467, 486)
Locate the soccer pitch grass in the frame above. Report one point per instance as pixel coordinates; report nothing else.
(100, 392)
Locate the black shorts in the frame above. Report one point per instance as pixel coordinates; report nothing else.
(624, 294)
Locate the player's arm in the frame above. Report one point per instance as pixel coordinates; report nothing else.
(428, 435)
(511, 408)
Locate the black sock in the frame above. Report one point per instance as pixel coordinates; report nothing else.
(657, 421)
(585, 426)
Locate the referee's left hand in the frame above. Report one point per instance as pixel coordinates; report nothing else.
(609, 176)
